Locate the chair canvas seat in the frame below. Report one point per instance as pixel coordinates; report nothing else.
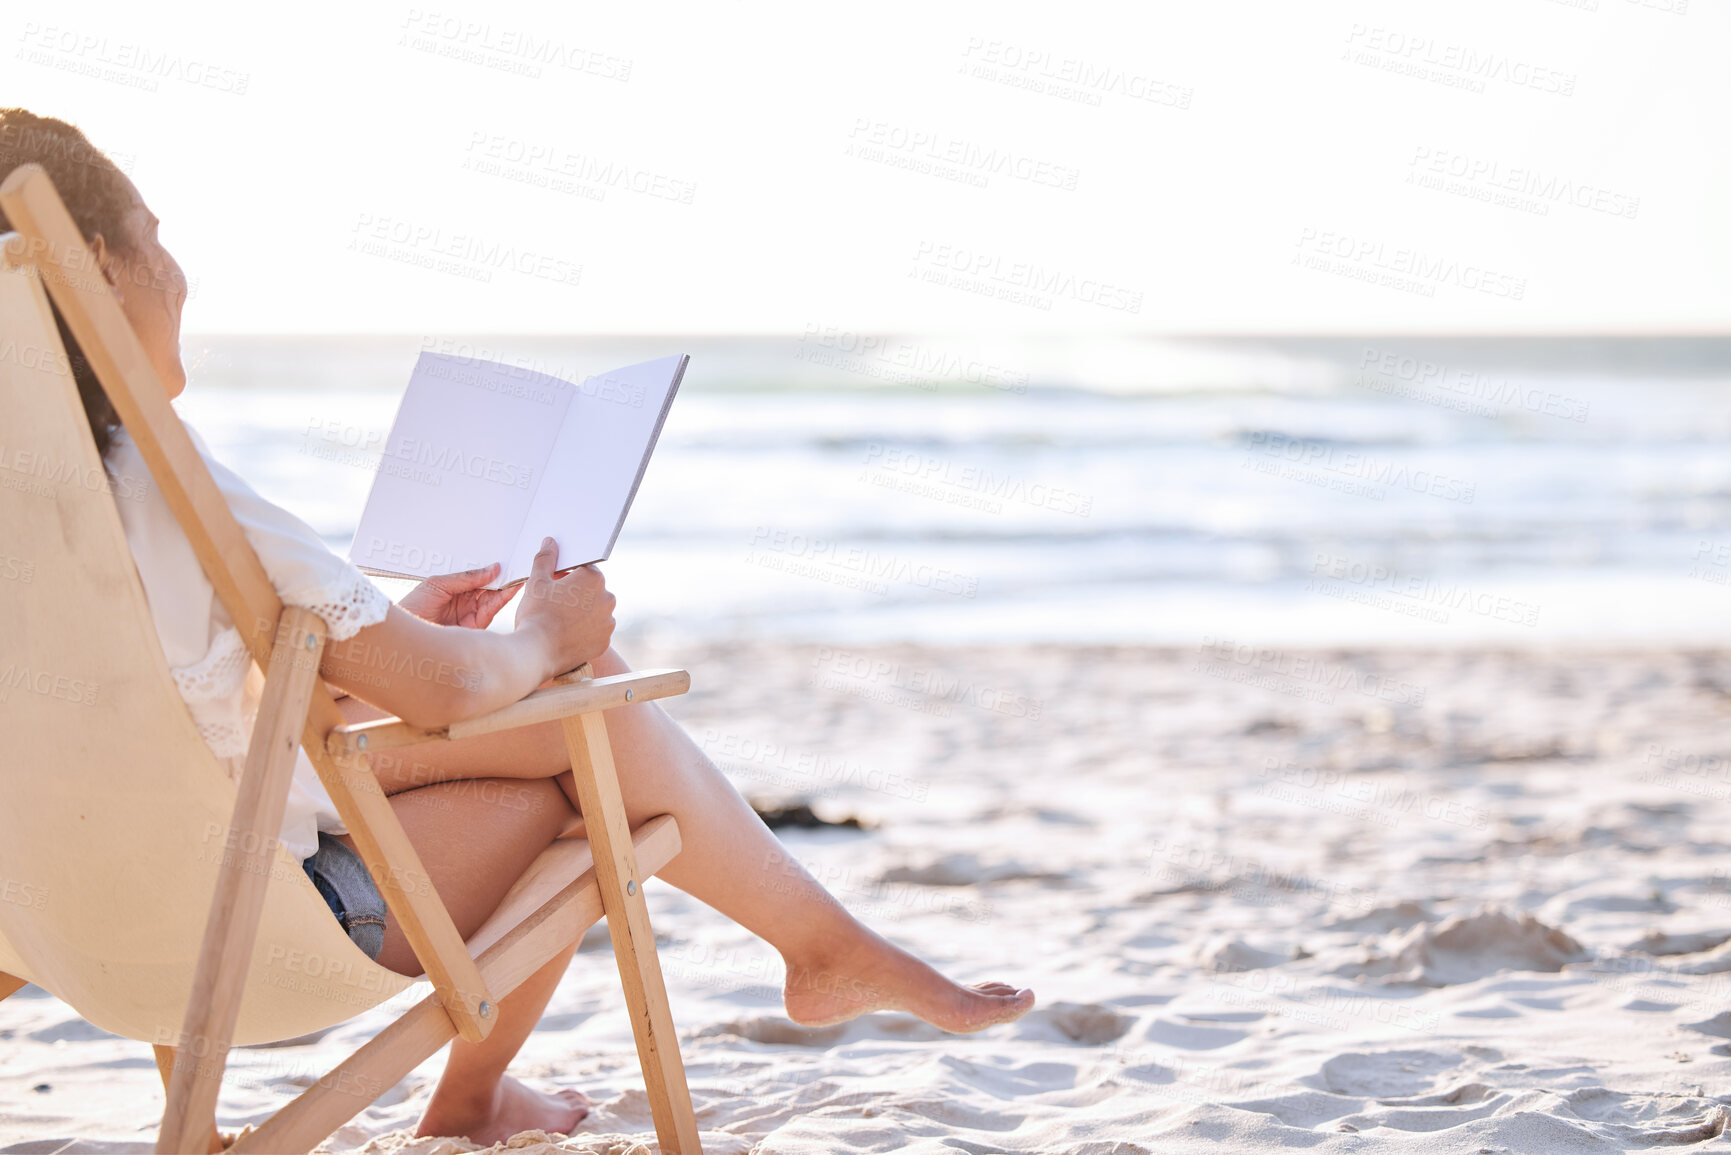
(116, 812)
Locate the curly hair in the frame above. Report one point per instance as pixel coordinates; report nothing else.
(98, 196)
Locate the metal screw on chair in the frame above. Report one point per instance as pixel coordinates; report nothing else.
(361, 742)
(631, 886)
(628, 695)
(312, 642)
(486, 1009)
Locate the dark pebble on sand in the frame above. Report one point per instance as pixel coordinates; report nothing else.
(803, 817)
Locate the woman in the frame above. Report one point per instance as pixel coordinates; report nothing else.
(473, 842)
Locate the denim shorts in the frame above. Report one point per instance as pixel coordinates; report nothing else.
(341, 876)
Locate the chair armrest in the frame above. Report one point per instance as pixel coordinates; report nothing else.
(546, 705)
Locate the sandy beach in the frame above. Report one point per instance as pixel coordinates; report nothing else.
(1220, 515)
(1331, 900)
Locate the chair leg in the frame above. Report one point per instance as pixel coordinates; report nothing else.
(425, 1027)
(11, 985)
(621, 887)
(237, 904)
(165, 1068)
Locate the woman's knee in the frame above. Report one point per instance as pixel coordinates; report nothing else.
(609, 664)
(540, 798)
(527, 809)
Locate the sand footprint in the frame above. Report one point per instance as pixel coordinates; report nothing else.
(1090, 1024)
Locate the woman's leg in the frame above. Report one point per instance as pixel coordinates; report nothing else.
(475, 838)
(475, 1097)
(837, 968)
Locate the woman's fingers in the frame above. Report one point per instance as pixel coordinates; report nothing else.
(546, 561)
(469, 579)
(575, 611)
(466, 580)
(488, 603)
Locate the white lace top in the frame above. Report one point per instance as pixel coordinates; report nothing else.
(206, 655)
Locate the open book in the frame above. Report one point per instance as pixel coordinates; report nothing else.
(484, 460)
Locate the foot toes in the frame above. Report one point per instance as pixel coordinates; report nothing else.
(576, 1101)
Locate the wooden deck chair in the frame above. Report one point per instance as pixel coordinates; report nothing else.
(144, 888)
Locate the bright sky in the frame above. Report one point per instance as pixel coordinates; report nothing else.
(1066, 168)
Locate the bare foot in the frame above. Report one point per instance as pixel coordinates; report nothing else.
(876, 975)
(512, 1107)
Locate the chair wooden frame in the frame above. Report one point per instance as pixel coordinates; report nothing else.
(287, 643)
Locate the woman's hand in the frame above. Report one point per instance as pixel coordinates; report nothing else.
(412, 666)
(573, 614)
(458, 599)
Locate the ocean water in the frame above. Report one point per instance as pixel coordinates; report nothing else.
(846, 488)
